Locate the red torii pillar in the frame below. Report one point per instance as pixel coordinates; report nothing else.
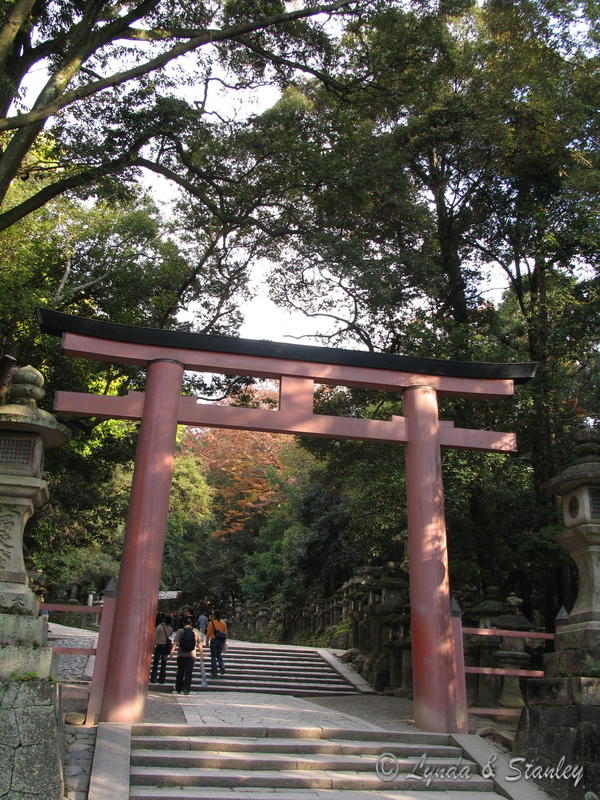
(161, 408)
(431, 631)
(143, 545)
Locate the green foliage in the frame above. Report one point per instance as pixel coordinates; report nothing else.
(115, 76)
(23, 677)
(591, 668)
(90, 567)
(445, 148)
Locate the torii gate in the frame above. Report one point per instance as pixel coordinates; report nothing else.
(166, 354)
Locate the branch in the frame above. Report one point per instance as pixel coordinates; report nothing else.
(8, 218)
(206, 37)
(349, 325)
(187, 283)
(185, 184)
(63, 280)
(326, 79)
(48, 193)
(82, 287)
(12, 26)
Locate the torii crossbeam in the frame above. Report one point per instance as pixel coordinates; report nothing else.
(166, 354)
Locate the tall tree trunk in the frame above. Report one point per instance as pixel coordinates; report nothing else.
(455, 301)
(541, 421)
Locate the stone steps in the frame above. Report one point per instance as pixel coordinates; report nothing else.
(202, 763)
(193, 793)
(223, 777)
(240, 670)
(276, 745)
(262, 669)
(251, 760)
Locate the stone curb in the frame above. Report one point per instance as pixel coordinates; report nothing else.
(483, 753)
(110, 769)
(346, 672)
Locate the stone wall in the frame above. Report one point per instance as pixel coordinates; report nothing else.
(561, 736)
(560, 727)
(31, 753)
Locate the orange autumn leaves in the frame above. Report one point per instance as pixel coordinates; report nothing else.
(244, 469)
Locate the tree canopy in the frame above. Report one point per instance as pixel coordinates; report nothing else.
(111, 71)
(426, 184)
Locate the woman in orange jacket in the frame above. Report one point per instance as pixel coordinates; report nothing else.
(216, 636)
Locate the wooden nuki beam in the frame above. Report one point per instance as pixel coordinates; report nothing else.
(294, 417)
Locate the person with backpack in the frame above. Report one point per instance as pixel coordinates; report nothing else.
(188, 644)
(216, 637)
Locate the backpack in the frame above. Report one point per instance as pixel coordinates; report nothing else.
(218, 635)
(187, 643)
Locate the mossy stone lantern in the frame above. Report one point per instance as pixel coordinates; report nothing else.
(25, 432)
(579, 489)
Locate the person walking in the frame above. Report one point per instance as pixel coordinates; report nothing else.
(188, 644)
(216, 637)
(186, 611)
(162, 647)
(202, 624)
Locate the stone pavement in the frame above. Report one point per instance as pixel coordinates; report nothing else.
(255, 710)
(72, 667)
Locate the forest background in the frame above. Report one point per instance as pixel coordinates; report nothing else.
(419, 155)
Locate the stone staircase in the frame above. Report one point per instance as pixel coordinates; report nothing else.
(292, 671)
(186, 762)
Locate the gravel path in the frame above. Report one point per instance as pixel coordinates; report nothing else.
(79, 753)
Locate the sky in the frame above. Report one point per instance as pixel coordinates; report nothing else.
(265, 320)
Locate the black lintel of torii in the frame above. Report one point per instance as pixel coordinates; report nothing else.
(57, 323)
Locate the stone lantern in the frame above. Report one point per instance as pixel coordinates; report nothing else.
(561, 719)
(579, 489)
(30, 705)
(25, 432)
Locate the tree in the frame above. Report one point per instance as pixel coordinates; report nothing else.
(474, 146)
(434, 170)
(113, 67)
(241, 468)
(88, 567)
(187, 543)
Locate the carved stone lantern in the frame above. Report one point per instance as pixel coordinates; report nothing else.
(30, 710)
(562, 714)
(579, 490)
(25, 432)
